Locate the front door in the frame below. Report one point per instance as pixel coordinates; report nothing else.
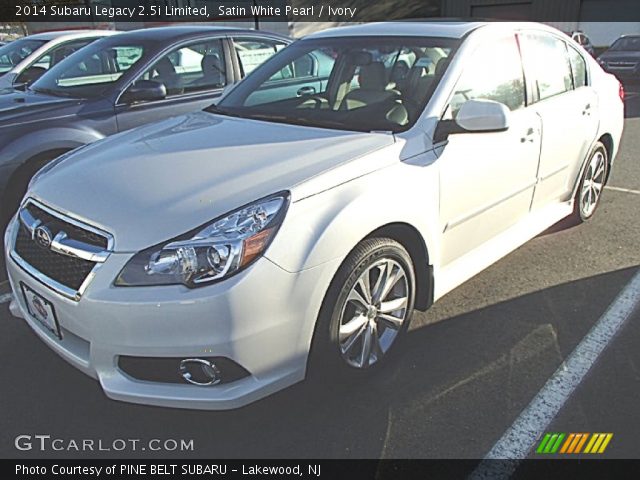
(194, 76)
(487, 179)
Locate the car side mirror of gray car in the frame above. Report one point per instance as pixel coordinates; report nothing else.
(475, 116)
(144, 91)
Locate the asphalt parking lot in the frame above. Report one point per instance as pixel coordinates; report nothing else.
(458, 386)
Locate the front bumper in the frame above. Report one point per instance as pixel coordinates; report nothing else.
(262, 319)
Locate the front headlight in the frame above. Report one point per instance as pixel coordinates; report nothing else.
(212, 252)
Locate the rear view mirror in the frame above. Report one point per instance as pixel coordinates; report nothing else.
(144, 91)
(483, 116)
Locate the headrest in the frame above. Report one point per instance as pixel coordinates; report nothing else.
(442, 65)
(211, 63)
(164, 66)
(373, 77)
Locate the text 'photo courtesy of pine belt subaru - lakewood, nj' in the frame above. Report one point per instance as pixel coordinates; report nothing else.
(214, 258)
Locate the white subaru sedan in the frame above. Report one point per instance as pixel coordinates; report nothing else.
(291, 230)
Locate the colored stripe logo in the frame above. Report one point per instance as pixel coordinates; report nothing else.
(574, 443)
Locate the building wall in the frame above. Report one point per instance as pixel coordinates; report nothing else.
(562, 10)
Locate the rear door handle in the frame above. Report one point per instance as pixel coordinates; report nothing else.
(587, 109)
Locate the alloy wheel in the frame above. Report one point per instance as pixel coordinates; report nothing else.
(593, 184)
(374, 313)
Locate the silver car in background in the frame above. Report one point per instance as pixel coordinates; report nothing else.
(24, 60)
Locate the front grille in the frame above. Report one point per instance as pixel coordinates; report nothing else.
(56, 224)
(622, 64)
(68, 271)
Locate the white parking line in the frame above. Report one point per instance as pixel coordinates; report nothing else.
(625, 190)
(6, 298)
(521, 437)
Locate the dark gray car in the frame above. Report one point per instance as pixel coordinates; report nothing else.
(623, 59)
(115, 84)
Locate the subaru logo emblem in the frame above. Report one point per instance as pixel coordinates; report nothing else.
(40, 308)
(42, 237)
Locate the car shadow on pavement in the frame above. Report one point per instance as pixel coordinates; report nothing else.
(632, 101)
(455, 387)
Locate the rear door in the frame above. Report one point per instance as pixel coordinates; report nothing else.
(194, 74)
(568, 108)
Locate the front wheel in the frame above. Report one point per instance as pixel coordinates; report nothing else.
(591, 184)
(367, 309)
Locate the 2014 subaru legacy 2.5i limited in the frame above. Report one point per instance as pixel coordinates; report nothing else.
(211, 259)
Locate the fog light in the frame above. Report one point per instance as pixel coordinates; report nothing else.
(199, 371)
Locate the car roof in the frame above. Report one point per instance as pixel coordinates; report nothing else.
(423, 28)
(172, 33)
(70, 34)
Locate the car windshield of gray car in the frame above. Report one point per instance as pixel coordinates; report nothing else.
(350, 83)
(90, 71)
(627, 44)
(13, 53)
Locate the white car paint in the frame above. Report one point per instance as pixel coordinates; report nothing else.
(52, 40)
(472, 200)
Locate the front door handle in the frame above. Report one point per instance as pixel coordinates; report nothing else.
(528, 137)
(304, 91)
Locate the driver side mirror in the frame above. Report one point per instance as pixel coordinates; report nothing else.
(483, 116)
(475, 116)
(144, 91)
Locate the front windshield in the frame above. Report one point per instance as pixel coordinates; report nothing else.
(351, 83)
(14, 52)
(90, 71)
(627, 44)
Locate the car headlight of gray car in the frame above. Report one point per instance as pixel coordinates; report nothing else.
(212, 252)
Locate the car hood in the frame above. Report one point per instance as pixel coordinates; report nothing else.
(153, 183)
(16, 106)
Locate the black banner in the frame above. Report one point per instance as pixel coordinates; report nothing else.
(162, 11)
(154, 11)
(315, 469)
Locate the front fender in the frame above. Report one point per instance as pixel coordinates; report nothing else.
(327, 226)
(21, 149)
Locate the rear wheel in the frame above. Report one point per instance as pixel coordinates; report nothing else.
(591, 184)
(366, 311)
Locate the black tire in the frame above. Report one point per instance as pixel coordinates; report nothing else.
(326, 358)
(18, 186)
(582, 210)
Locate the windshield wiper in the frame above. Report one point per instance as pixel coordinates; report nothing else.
(298, 120)
(219, 111)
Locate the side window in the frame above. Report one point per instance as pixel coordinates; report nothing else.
(63, 51)
(252, 52)
(192, 68)
(494, 72)
(549, 63)
(59, 53)
(578, 68)
(315, 65)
